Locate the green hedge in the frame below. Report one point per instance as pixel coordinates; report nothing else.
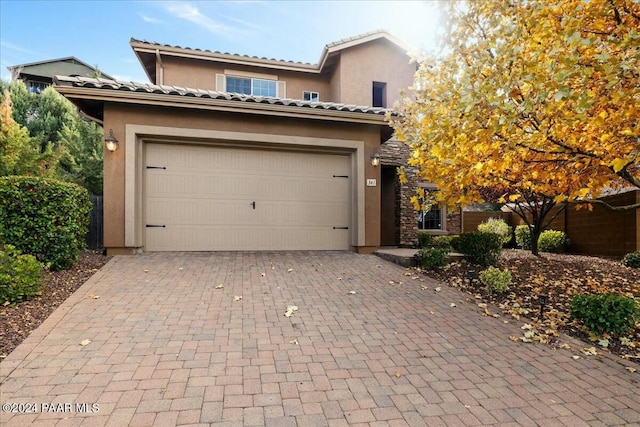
(19, 275)
(610, 313)
(45, 218)
(478, 248)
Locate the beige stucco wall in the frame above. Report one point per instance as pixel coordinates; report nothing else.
(379, 61)
(118, 116)
(200, 74)
(349, 81)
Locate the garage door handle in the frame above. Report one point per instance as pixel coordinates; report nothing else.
(156, 226)
(340, 228)
(156, 167)
(253, 204)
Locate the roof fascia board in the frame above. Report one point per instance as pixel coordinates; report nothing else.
(52, 61)
(225, 58)
(221, 105)
(329, 49)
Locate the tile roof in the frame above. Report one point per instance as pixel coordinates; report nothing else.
(99, 83)
(333, 46)
(217, 52)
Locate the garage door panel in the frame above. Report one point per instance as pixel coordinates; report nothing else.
(204, 199)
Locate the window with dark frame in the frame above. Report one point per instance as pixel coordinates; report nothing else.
(430, 217)
(310, 96)
(379, 94)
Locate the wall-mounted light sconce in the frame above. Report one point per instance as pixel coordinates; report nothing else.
(375, 159)
(111, 142)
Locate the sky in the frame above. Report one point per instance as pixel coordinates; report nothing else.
(98, 32)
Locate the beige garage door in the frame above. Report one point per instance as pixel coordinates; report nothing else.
(200, 198)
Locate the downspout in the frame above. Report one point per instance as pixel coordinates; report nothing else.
(160, 76)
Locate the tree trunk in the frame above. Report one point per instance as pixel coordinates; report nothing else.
(535, 235)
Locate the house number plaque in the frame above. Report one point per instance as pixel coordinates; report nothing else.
(371, 182)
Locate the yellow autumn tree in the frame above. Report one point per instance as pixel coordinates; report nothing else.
(539, 100)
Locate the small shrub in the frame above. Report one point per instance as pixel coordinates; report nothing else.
(19, 275)
(497, 226)
(523, 237)
(478, 248)
(442, 241)
(424, 239)
(552, 241)
(432, 258)
(632, 259)
(45, 218)
(497, 281)
(610, 313)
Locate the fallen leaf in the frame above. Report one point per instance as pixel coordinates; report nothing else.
(220, 286)
(565, 346)
(237, 297)
(603, 343)
(290, 270)
(432, 312)
(591, 351)
(467, 406)
(93, 296)
(290, 310)
(630, 369)
(352, 292)
(391, 282)
(438, 289)
(513, 338)
(453, 304)
(263, 274)
(424, 288)
(146, 271)
(85, 342)
(398, 374)
(575, 357)
(181, 268)
(526, 326)
(294, 341)
(339, 278)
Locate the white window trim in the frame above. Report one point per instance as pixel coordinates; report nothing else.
(443, 212)
(311, 93)
(221, 81)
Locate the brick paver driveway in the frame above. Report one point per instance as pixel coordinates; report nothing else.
(169, 347)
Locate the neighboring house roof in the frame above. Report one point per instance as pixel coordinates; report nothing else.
(91, 90)
(147, 53)
(67, 66)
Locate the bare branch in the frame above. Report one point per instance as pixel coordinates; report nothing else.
(606, 205)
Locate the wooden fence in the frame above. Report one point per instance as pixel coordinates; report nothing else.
(95, 234)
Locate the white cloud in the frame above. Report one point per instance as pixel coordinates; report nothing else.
(191, 13)
(6, 45)
(150, 20)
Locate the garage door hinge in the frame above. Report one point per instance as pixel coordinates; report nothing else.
(340, 228)
(156, 167)
(341, 176)
(156, 226)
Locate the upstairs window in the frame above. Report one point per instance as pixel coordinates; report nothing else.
(310, 96)
(250, 86)
(37, 87)
(379, 95)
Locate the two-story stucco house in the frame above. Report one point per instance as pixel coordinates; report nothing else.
(231, 152)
